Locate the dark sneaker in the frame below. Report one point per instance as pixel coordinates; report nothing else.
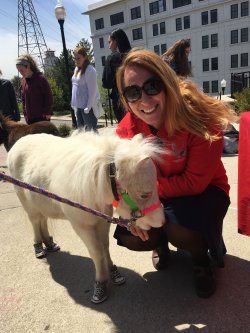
(160, 258)
(100, 292)
(116, 276)
(204, 281)
(40, 252)
(51, 246)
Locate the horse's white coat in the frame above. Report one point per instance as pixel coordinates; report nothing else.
(77, 168)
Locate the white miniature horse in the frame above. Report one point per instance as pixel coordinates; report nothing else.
(78, 168)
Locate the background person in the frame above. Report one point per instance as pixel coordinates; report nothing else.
(85, 90)
(119, 45)
(37, 97)
(8, 102)
(192, 182)
(177, 57)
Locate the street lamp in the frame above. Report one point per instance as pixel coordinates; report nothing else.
(223, 85)
(60, 14)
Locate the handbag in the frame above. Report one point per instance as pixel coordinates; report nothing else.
(98, 109)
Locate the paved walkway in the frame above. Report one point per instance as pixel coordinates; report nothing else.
(53, 295)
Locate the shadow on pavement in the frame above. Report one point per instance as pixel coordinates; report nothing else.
(162, 301)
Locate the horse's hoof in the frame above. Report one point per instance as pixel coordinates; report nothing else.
(40, 252)
(100, 292)
(116, 276)
(51, 246)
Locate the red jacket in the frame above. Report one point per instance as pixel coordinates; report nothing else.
(36, 97)
(191, 165)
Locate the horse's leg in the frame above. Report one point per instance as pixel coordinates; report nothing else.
(50, 245)
(115, 275)
(35, 219)
(97, 252)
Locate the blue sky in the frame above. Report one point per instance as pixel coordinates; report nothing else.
(76, 27)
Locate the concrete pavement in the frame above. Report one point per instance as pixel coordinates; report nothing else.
(53, 295)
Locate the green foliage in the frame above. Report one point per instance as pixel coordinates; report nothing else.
(242, 100)
(58, 103)
(88, 48)
(64, 130)
(58, 73)
(16, 82)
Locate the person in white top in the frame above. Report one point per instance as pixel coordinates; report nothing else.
(85, 90)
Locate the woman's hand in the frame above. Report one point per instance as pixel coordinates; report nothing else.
(138, 232)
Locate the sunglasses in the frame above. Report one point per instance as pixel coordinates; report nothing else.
(151, 87)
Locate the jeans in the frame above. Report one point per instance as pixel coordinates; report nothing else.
(86, 120)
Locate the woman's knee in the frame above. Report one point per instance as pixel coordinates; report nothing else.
(156, 237)
(182, 237)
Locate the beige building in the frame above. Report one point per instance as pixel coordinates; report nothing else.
(218, 31)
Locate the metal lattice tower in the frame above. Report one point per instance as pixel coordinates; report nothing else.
(30, 36)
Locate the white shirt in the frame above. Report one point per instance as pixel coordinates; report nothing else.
(84, 89)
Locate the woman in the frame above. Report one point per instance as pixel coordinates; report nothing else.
(192, 182)
(85, 92)
(177, 57)
(37, 97)
(119, 46)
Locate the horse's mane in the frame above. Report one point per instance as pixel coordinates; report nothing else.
(7, 124)
(92, 166)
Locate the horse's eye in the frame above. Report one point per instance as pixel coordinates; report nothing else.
(146, 195)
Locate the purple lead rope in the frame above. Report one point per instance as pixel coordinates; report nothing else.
(110, 219)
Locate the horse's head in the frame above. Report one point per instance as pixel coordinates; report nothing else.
(137, 184)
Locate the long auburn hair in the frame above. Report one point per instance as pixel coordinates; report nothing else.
(186, 106)
(177, 54)
(81, 50)
(33, 65)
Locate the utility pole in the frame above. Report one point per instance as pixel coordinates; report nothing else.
(30, 36)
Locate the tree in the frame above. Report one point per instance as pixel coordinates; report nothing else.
(16, 82)
(58, 73)
(88, 48)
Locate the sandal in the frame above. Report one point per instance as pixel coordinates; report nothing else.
(160, 258)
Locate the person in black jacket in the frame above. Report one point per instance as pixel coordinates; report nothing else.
(8, 102)
(119, 45)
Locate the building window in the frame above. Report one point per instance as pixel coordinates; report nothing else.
(204, 18)
(215, 86)
(163, 48)
(213, 16)
(135, 13)
(117, 18)
(234, 60)
(234, 11)
(103, 60)
(137, 34)
(178, 23)
(162, 28)
(157, 49)
(205, 42)
(155, 30)
(157, 7)
(234, 36)
(214, 64)
(99, 24)
(186, 20)
(101, 42)
(214, 40)
(244, 8)
(244, 59)
(205, 65)
(205, 87)
(244, 35)
(180, 3)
